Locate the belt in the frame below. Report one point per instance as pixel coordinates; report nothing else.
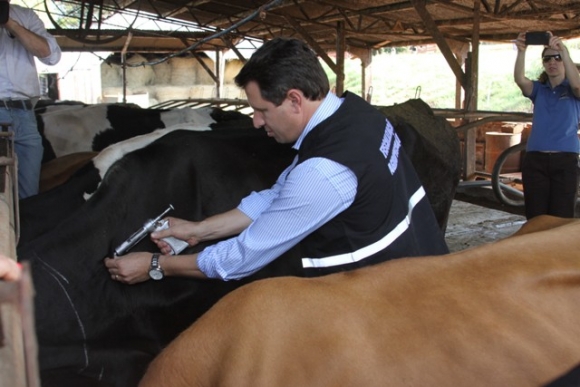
(25, 104)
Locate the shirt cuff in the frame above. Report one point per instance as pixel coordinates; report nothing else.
(208, 266)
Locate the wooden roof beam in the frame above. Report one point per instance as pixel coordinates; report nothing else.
(313, 44)
(185, 8)
(440, 40)
(225, 22)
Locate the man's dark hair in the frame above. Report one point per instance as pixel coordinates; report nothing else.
(282, 64)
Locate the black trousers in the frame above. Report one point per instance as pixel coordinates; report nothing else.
(550, 183)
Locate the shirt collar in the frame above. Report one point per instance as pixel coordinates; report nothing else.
(564, 83)
(329, 105)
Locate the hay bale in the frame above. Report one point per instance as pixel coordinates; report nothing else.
(232, 69)
(162, 73)
(183, 72)
(139, 76)
(110, 75)
(202, 76)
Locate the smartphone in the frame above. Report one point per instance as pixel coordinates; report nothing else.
(537, 38)
(4, 11)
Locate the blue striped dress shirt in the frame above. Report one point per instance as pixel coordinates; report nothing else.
(303, 198)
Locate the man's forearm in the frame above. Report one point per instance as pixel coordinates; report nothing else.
(35, 44)
(224, 225)
(181, 266)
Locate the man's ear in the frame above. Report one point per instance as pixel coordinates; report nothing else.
(296, 99)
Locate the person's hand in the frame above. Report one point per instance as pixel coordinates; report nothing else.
(178, 228)
(9, 269)
(131, 268)
(556, 43)
(9, 25)
(520, 41)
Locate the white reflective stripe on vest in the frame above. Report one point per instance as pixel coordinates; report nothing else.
(369, 250)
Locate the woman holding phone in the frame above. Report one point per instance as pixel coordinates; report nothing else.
(550, 167)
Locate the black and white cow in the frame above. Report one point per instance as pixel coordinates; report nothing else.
(430, 141)
(89, 326)
(71, 127)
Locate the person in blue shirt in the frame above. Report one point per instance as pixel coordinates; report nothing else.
(550, 166)
(350, 198)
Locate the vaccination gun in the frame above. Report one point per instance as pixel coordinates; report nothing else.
(147, 228)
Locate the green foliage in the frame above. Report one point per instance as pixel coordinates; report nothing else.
(399, 76)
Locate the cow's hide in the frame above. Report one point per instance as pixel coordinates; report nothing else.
(88, 325)
(70, 128)
(502, 314)
(84, 180)
(431, 143)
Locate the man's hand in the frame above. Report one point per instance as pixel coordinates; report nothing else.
(131, 268)
(178, 228)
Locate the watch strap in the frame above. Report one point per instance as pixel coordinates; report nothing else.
(155, 261)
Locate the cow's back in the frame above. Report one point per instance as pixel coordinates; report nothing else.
(506, 314)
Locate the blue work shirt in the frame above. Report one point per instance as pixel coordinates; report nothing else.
(297, 204)
(555, 119)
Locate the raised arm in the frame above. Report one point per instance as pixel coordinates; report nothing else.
(524, 83)
(35, 44)
(571, 70)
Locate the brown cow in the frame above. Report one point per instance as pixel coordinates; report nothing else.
(503, 314)
(58, 170)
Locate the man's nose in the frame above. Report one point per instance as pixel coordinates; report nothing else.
(258, 121)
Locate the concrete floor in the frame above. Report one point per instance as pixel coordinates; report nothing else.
(471, 225)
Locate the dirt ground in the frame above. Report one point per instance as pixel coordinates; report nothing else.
(477, 218)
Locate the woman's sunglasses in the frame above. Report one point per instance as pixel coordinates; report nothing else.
(546, 58)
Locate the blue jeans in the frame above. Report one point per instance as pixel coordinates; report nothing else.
(28, 148)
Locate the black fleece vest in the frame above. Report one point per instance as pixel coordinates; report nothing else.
(391, 216)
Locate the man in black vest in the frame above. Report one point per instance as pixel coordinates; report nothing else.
(351, 197)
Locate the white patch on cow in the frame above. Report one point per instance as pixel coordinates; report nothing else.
(197, 116)
(72, 128)
(115, 152)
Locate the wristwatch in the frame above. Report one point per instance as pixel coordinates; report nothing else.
(155, 270)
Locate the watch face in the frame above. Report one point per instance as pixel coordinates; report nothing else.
(155, 274)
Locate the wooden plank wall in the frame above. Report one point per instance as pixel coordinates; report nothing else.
(18, 348)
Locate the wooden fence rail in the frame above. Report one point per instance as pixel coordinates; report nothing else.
(18, 347)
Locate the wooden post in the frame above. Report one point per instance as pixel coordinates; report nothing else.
(472, 69)
(18, 351)
(340, 53)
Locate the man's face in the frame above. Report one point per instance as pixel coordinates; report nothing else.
(281, 122)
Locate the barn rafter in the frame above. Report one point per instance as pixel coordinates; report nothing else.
(367, 24)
